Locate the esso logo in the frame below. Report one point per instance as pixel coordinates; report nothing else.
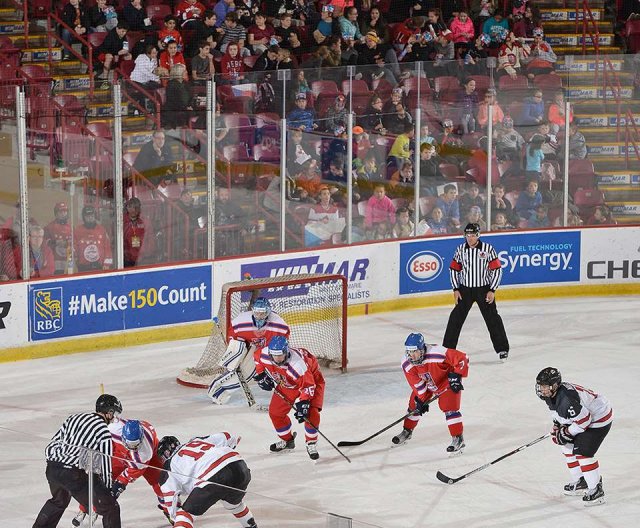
(424, 266)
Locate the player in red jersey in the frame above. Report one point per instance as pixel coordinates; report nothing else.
(293, 374)
(135, 443)
(431, 370)
(91, 244)
(57, 233)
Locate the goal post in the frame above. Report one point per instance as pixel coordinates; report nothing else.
(314, 306)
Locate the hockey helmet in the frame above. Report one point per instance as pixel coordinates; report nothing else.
(132, 434)
(261, 309)
(106, 403)
(415, 347)
(551, 378)
(279, 350)
(167, 446)
(472, 229)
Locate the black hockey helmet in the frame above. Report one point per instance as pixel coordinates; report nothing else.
(167, 446)
(106, 403)
(472, 229)
(548, 377)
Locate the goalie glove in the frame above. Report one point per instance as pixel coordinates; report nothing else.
(562, 435)
(455, 382)
(421, 406)
(264, 381)
(117, 488)
(302, 410)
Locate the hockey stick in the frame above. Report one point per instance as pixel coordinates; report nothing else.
(345, 443)
(448, 480)
(243, 382)
(275, 389)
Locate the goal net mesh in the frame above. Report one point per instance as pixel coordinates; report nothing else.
(313, 305)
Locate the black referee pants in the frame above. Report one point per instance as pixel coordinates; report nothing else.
(66, 482)
(489, 313)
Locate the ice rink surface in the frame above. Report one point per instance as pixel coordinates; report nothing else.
(593, 341)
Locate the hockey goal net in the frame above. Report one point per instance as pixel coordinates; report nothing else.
(313, 305)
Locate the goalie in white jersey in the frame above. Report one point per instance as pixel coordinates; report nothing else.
(202, 472)
(581, 421)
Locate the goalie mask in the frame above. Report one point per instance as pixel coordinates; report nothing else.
(279, 350)
(132, 435)
(415, 348)
(167, 446)
(547, 382)
(261, 309)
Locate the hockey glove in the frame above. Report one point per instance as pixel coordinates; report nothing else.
(455, 382)
(302, 410)
(563, 436)
(421, 406)
(117, 488)
(264, 381)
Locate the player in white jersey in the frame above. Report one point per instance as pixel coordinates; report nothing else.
(202, 472)
(581, 421)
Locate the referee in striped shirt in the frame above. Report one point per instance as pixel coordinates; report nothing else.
(475, 274)
(68, 460)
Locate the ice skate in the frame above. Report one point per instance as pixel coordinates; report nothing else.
(312, 450)
(80, 516)
(404, 435)
(503, 355)
(456, 446)
(594, 496)
(576, 488)
(283, 445)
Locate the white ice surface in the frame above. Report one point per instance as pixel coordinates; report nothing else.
(593, 341)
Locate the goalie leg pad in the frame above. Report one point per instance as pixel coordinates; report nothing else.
(233, 355)
(219, 390)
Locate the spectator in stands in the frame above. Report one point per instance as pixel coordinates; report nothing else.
(601, 216)
(533, 109)
(301, 117)
(324, 29)
(58, 237)
(135, 16)
(483, 110)
(539, 219)
(179, 106)
(403, 228)
(185, 224)
(41, 259)
(372, 120)
(501, 222)
(155, 161)
(528, 200)
(474, 216)
(113, 49)
(435, 23)
(261, 35)
(92, 247)
(401, 181)
(188, 11)
(246, 11)
(7, 261)
(202, 68)
(450, 207)
(577, 144)
(222, 9)
(309, 179)
(437, 223)
(298, 151)
(287, 36)
(170, 58)
(336, 114)
(497, 28)
(374, 52)
(139, 235)
(444, 55)
(511, 56)
(557, 113)
(145, 73)
(425, 135)
(74, 15)
(232, 66)
(233, 32)
(525, 26)
(101, 17)
(350, 30)
(268, 59)
(402, 150)
(550, 146)
(204, 29)
(500, 204)
(376, 22)
(380, 209)
(542, 59)
(509, 142)
(430, 175)
(463, 32)
(407, 32)
(324, 218)
(534, 157)
(475, 62)
(169, 33)
(368, 173)
(398, 121)
(471, 198)
(468, 106)
(451, 146)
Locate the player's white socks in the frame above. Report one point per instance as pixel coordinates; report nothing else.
(590, 470)
(572, 462)
(240, 512)
(183, 519)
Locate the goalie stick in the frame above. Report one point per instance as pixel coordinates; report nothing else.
(346, 443)
(275, 389)
(448, 480)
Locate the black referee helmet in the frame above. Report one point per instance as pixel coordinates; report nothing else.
(106, 403)
(472, 229)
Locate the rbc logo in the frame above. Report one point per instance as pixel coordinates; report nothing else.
(47, 311)
(424, 266)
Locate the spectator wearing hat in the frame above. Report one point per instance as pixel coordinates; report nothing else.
(324, 29)
(483, 109)
(361, 143)
(511, 56)
(301, 117)
(542, 59)
(375, 52)
(509, 141)
(261, 35)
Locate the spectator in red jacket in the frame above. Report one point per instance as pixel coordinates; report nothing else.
(139, 235)
(232, 65)
(189, 11)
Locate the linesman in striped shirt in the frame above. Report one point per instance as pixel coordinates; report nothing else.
(68, 461)
(475, 274)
